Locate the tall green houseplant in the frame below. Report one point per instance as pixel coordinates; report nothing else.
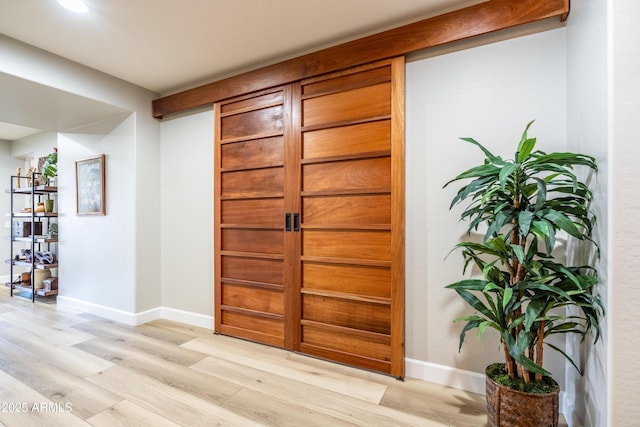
(523, 293)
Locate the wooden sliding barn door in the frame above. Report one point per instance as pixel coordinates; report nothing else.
(352, 217)
(310, 217)
(250, 276)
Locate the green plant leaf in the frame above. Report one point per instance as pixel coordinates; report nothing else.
(532, 312)
(525, 146)
(580, 371)
(469, 326)
(541, 196)
(482, 328)
(519, 252)
(506, 297)
(563, 222)
(469, 285)
(524, 222)
(477, 172)
(505, 173)
(525, 149)
(490, 156)
(476, 304)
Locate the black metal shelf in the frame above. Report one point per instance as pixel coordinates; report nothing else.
(36, 194)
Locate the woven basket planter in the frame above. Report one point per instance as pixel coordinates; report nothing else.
(512, 408)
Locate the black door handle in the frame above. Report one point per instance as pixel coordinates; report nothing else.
(287, 222)
(296, 222)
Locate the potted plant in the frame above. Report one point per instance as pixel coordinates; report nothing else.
(50, 166)
(524, 293)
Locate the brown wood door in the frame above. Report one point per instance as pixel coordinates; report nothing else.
(249, 210)
(310, 217)
(352, 263)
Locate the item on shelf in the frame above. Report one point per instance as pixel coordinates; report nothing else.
(26, 254)
(53, 230)
(45, 257)
(18, 172)
(41, 257)
(50, 167)
(25, 277)
(23, 228)
(50, 284)
(40, 207)
(39, 276)
(48, 205)
(30, 172)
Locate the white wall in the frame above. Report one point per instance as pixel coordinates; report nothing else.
(624, 211)
(489, 93)
(587, 132)
(187, 218)
(97, 253)
(127, 286)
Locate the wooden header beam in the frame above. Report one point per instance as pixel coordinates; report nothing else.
(483, 18)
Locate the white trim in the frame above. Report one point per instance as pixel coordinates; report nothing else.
(187, 317)
(110, 313)
(128, 318)
(569, 411)
(445, 375)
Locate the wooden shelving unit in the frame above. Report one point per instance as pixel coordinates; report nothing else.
(37, 242)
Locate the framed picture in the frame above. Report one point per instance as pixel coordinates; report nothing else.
(90, 188)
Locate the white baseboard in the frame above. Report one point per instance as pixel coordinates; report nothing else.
(569, 411)
(134, 319)
(187, 317)
(110, 313)
(445, 375)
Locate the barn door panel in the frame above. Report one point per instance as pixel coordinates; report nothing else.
(249, 217)
(352, 302)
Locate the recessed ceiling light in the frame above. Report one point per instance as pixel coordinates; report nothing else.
(77, 6)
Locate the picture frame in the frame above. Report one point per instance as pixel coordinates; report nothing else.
(90, 186)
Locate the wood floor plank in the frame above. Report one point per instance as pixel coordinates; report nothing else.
(50, 311)
(322, 378)
(214, 390)
(126, 413)
(347, 408)
(272, 411)
(178, 406)
(5, 308)
(165, 350)
(54, 384)
(193, 331)
(44, 327)
(60, 356)
(163, 334)
(16, 393)
(451, 406)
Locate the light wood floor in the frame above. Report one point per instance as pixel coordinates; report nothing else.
(64, 368)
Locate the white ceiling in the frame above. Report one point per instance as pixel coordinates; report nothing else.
(170, 45)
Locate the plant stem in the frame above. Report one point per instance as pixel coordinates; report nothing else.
(539, 348)
(508, 361)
